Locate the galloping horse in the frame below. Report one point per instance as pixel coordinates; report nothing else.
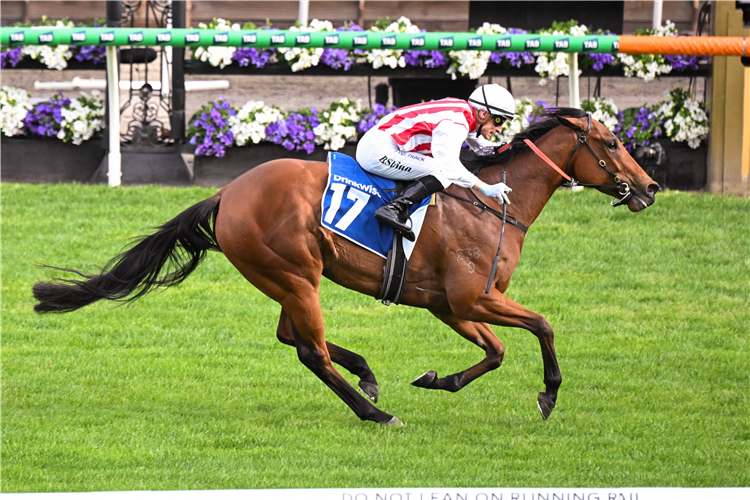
(267, 222)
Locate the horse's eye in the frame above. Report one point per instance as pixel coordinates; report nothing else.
(612, 144)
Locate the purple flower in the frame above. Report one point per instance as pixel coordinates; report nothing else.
(46, 117)
(337, 58)
(370, 119)
(437, 58)
(681, 63)
(414, 57)
(210, 130)
(250, 55)
(515, 59)
(93, 53)
(295, 132)
(637, 126)
(12, 56)
(599, 60)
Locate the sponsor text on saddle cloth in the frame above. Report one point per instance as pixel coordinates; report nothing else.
(350, 200)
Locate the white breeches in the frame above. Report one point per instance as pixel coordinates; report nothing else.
(378, 154)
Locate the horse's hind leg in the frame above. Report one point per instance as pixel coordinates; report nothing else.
(303, 308)
(351, 361)
(477, 333)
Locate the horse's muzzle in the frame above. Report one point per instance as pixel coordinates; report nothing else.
(643, 197)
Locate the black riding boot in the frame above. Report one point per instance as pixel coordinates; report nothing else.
(396, 213)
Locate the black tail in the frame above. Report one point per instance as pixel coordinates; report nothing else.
(177, 247)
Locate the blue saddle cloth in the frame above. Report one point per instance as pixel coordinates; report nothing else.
(350, 200)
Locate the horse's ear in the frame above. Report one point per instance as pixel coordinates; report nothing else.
(574, 123)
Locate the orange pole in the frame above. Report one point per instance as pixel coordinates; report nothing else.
(685, 45)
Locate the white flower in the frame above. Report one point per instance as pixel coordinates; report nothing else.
(82, 118)
(250, 122)
(14, 105)
(473, 62)
(54, 57)
(337, 124)
(685, 123)
(305, 58)
(217, 56)
(554, 64)
(603, 110)
(387, 57)
(648, 67)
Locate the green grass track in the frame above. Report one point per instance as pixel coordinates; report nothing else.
(189, 389)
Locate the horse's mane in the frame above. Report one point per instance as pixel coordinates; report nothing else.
(474, 163)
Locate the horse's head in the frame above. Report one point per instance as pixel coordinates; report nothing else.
(599, 160)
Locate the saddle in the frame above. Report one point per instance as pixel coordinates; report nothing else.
(348, 206)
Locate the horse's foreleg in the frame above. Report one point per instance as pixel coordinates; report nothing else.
(351, 361)
(477, 333)
(496, 309)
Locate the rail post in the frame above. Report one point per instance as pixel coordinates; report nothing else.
(178, 77)
(114, 157)
(575, 97)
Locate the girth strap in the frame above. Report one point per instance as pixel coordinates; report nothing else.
(510, 220)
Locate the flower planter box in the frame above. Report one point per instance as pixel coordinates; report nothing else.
(685, 169)
(38, 160)
(212, 171)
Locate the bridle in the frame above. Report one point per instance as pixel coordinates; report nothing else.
(622, 187)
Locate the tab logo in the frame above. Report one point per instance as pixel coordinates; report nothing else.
(359, 41)
(302, 39)
(503, 43)
(135, 37)
(388, 41)
(46, 37)
(17, 37)
(615, 46)
(417, 42)
(533, 43)
(278, 39)
(220, 38)
(249, 39)
(331, 40)
(192, 37)
(562, 44)
(78, 37)
(165, 37)
(445, 42)
(474, 43)
(107, 37)
(591, 44)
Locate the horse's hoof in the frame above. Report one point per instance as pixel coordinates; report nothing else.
(393, 422)
(545, 405)
(425, 380)
(370, 390)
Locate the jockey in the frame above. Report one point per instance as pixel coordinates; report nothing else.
(422, 142)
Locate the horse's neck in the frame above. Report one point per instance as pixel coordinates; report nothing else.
(533, 181)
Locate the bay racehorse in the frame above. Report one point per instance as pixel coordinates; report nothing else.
(267, 222)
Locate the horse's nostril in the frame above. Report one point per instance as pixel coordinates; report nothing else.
(653, 188)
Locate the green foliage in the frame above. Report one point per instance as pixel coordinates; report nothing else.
(189, 389)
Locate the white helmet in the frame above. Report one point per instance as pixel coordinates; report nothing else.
(496, 100)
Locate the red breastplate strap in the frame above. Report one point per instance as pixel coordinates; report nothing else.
(544, 157)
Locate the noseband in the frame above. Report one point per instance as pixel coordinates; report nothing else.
(622, 187)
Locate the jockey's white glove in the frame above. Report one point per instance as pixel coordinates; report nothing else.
(499, 191)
